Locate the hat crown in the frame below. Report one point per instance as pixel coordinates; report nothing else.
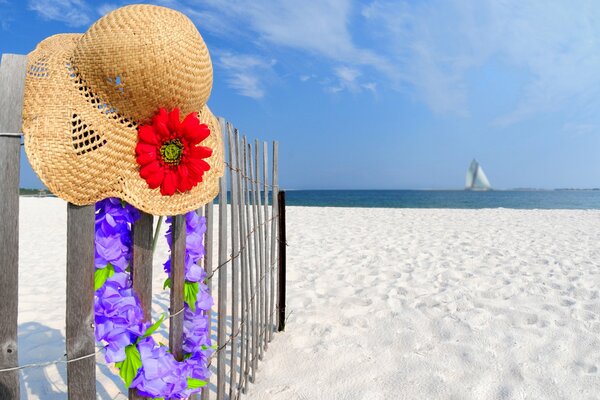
(139, 58)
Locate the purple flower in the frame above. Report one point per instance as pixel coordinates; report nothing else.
(194, 246)
(195, 329)
(119, 316)
(110, 249)
(161, 375)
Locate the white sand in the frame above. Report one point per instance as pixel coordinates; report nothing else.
(385, 304)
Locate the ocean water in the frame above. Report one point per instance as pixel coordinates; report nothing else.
(521, 199)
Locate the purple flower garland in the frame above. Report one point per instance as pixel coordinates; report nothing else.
(145, 365)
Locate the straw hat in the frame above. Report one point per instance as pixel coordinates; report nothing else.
(91, 99)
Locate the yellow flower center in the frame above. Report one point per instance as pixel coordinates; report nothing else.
(171, 152)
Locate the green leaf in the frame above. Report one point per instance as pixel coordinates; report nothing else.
(167, 283)
(129, 367)
(190, 294)
(193, 383)
(154, 326)
(204, 347)
(101, 275)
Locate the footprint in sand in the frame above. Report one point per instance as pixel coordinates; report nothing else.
(284, 392)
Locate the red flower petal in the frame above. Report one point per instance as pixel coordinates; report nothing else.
(155, 179)
(149, 169)
(191, 120)
(184, 184)
(169, 183)
(146, 134)
(145, 158)
(198, 167)
(174, 123)
(193, 130)
(161, 116)
(205, 166)
(183, 173)
(142, 148)
(162, 130)
(200, 152)
(198, 134)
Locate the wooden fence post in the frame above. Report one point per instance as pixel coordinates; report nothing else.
(222, 306)
(81, 374)
(235, 262)
(142, 270)
(208, 262)
(254, 266)
(178, 234)
(265, 246)
(249, 242)
(243, 263)
(12, 80)
(274, 227)
(247, 266)
(282, 259)
(260, 250)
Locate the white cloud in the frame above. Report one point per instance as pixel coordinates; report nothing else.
(105, 8)
(437, 45)
(429, 49)
(71, 12)
(370, 86)
(245, 73)
(349, 79)
(576, 129)
(317, 28)
(5, 16)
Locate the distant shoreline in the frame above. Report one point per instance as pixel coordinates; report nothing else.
(574, 199)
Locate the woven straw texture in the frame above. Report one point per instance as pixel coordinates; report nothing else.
(86, 94)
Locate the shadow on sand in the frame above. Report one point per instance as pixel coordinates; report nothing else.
(39, 343)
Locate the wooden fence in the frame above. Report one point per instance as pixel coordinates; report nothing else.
(247, 274)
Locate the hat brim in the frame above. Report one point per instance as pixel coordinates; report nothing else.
(83, 150)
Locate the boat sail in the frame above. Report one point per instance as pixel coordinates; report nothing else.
(476, 179)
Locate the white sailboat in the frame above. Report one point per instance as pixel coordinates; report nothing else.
(476, 179)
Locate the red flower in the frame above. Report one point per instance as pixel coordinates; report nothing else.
(168, 152)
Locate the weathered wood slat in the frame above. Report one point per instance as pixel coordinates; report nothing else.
(208, 267)
(178, 234)
(10, 150)
(235, 263)
(260, 250)
(200, 212)
(142, 262)
(142, 270)
(282, 262)
(265, 246)
(274, 212)
(254, 263)
(246, 270)
(243, 264)
(222, 299)
(12, 77)
(81, 374)
(12, 84)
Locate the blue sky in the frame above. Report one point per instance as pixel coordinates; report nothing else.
(389, 94)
